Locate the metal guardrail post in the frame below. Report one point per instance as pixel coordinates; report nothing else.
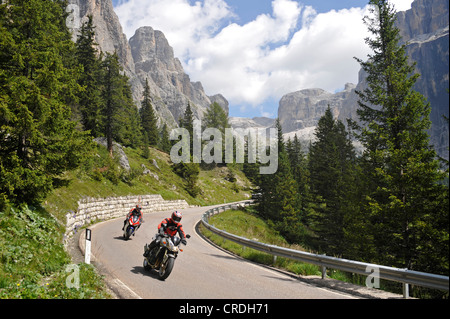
(405, 290)
(324, 271)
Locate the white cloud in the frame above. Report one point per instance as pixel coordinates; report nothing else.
(320, 54)
(182, 23)
(253, 62)
(401, 5)
(289, 49)
(231, 61)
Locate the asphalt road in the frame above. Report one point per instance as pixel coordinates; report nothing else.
(201, 271)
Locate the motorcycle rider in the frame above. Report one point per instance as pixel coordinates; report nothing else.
(134, 211)
(170, 226)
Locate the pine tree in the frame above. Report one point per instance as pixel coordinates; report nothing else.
(112, 97)
(299, 168)
(131, 133)
(279, 200)
(38, 83)
(120, 115)
(90, 79)
(331, 162)
(187, 122)
(164, 141)
(216, 117)
(189, 171)
(148, 118)
(146, 152)
(403, 177)
(250, 167)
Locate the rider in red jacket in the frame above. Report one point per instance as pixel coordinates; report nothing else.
(170, 226)
(134, 211)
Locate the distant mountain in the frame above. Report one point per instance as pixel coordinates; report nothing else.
(425, 29)
(256, 122)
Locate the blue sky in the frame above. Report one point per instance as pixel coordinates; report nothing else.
(248, 10)
(255, 51)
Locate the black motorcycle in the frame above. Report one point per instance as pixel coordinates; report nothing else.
(162, 257)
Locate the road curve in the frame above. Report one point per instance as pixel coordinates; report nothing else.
(201, 271)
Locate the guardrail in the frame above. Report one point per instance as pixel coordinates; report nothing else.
(404, 276)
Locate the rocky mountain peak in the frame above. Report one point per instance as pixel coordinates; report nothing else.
(148, 45)
(146, 56)
(170, 87)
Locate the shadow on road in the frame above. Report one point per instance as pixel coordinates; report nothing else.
(224, 257)
(120, 237)
(139, 270)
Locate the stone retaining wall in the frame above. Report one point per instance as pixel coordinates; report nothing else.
(101, 209)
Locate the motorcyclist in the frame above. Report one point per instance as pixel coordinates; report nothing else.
(137, 211)
(170, 226)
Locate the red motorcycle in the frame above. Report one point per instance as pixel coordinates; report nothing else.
(131, 226)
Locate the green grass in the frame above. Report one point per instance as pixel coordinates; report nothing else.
(33, 260)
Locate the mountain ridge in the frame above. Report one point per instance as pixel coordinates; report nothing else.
(148, 55)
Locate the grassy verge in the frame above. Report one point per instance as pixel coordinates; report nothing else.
(34, 264)
(246, 223)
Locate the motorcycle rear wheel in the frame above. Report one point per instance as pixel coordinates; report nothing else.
(166, 268)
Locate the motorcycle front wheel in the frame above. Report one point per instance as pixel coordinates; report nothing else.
(146, 265)
(128, 233)
(166, 268)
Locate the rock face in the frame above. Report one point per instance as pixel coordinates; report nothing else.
(303, 109)
(108, 31)
(146, 56)
(118, 150)
(425, 29)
